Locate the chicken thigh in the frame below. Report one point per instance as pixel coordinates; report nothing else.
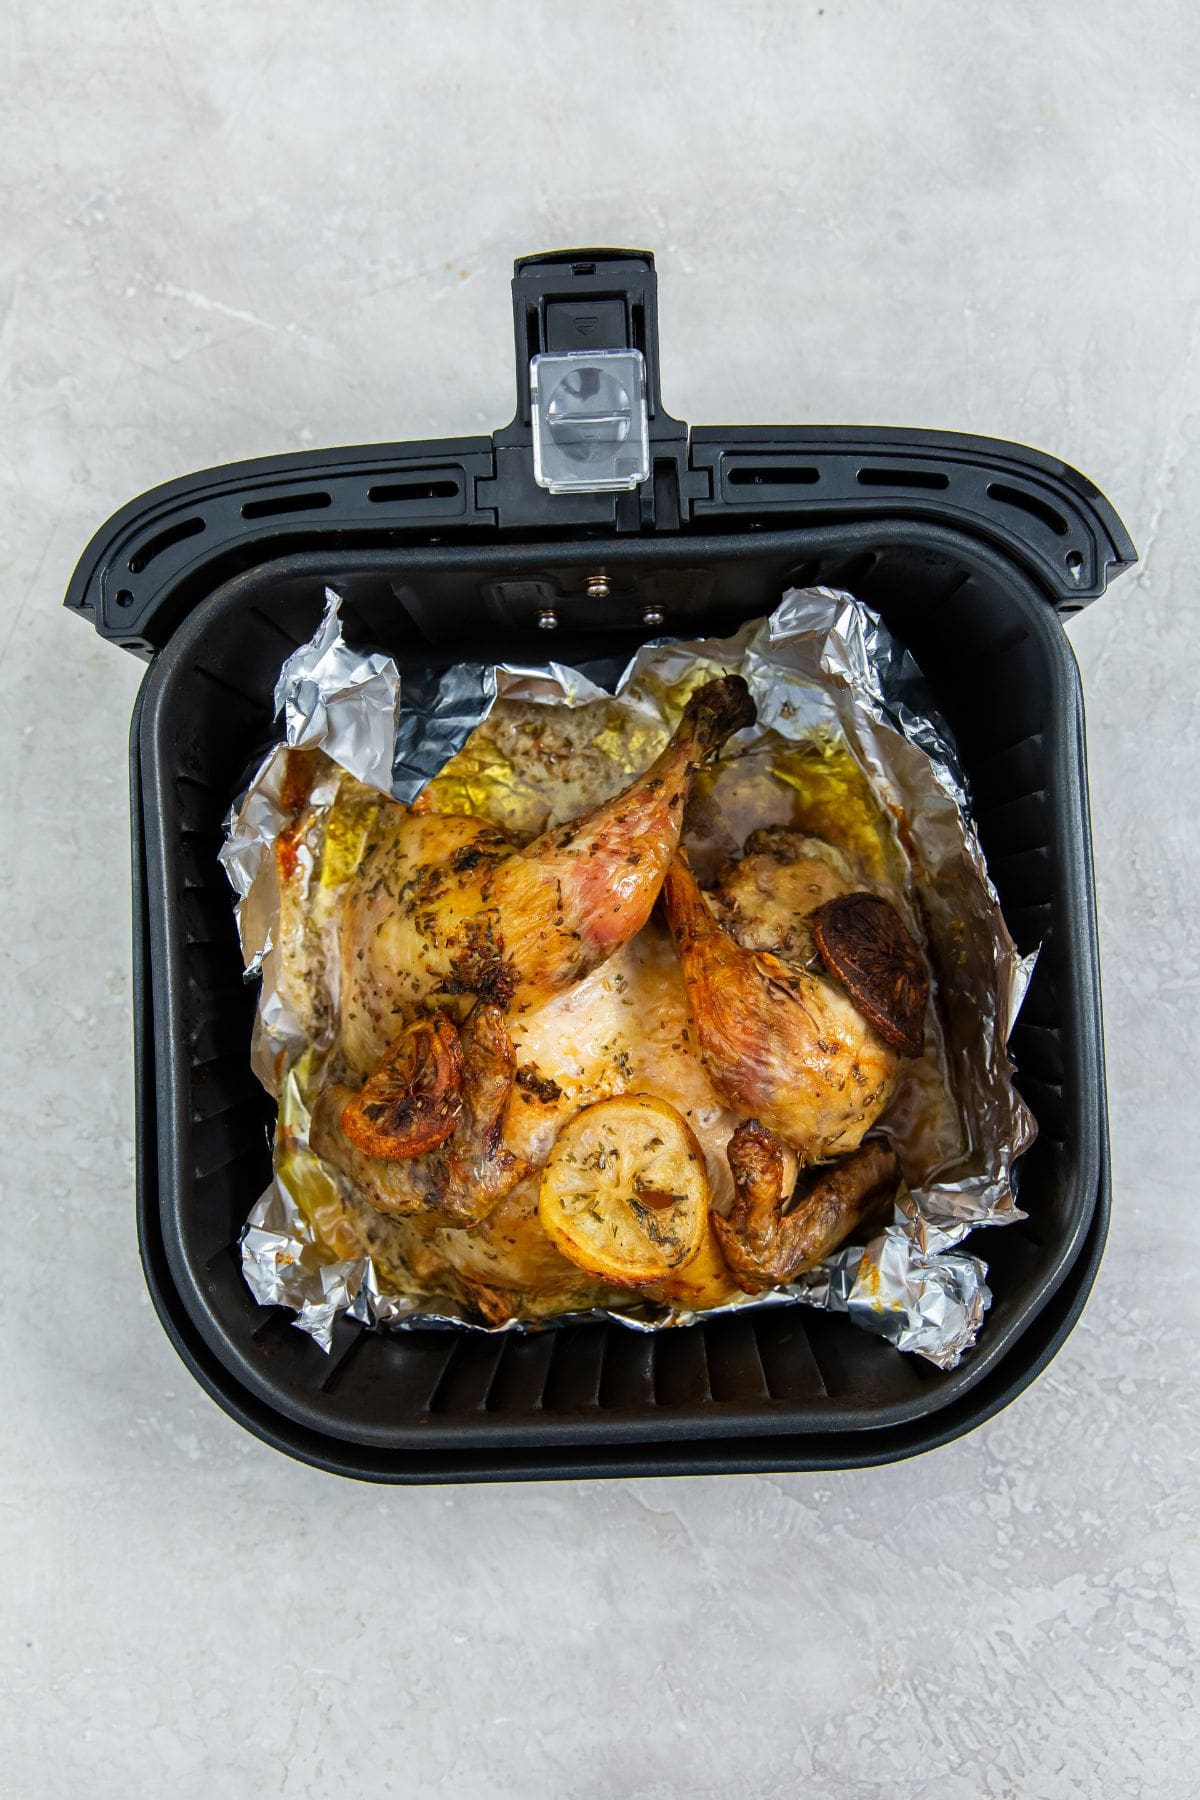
(811, 1056)
(446, 906)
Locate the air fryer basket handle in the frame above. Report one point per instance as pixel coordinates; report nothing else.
(1039, 510)
(162, 554)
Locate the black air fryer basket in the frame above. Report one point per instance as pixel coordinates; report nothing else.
(970, 548)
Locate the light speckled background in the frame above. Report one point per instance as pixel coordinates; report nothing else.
(231, 230)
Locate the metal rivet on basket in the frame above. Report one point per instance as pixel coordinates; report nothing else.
(547, 619)
(653, 615)
(598, 587)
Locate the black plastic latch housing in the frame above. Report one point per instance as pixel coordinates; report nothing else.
(587, 302)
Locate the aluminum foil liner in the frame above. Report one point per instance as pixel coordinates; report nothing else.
(822, 664)
(931, 1304)
(346, 703)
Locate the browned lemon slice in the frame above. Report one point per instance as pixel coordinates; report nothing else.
(624, 1193)
(867, 945)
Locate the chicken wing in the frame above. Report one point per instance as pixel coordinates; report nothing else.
(775, 1232)
(783, 1042)
(444, 907)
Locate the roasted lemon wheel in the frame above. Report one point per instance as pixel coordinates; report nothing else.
(624, 1193)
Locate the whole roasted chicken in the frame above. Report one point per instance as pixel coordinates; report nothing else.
(533, 1085)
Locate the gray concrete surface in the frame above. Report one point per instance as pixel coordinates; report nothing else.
(231, 230)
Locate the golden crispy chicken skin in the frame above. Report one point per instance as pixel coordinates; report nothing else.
(782, 1043)
(459, 1179)
(797, 897)
(447, 906)
(509, 1266)
(767, 896)
(773, 1234)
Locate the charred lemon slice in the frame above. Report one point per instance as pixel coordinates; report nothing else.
(624, 1193)
(411, 1103)
(866, 944)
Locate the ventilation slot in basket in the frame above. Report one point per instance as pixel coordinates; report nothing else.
(412, 1366)
(1014, 826)
(467, 1381)
(773, 475)
(735, 1366)
(413, 493)
(681, 1369)
(574, 1379)
(227, 1137)
(221, 1086)
(1029, 503)
(908, 478)
(156, 546)
(281, 504)
(520, 1380)
(627, 1378)
(788, 1355)
(343, 1356)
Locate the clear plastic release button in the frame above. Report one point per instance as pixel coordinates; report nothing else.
(590, 431)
